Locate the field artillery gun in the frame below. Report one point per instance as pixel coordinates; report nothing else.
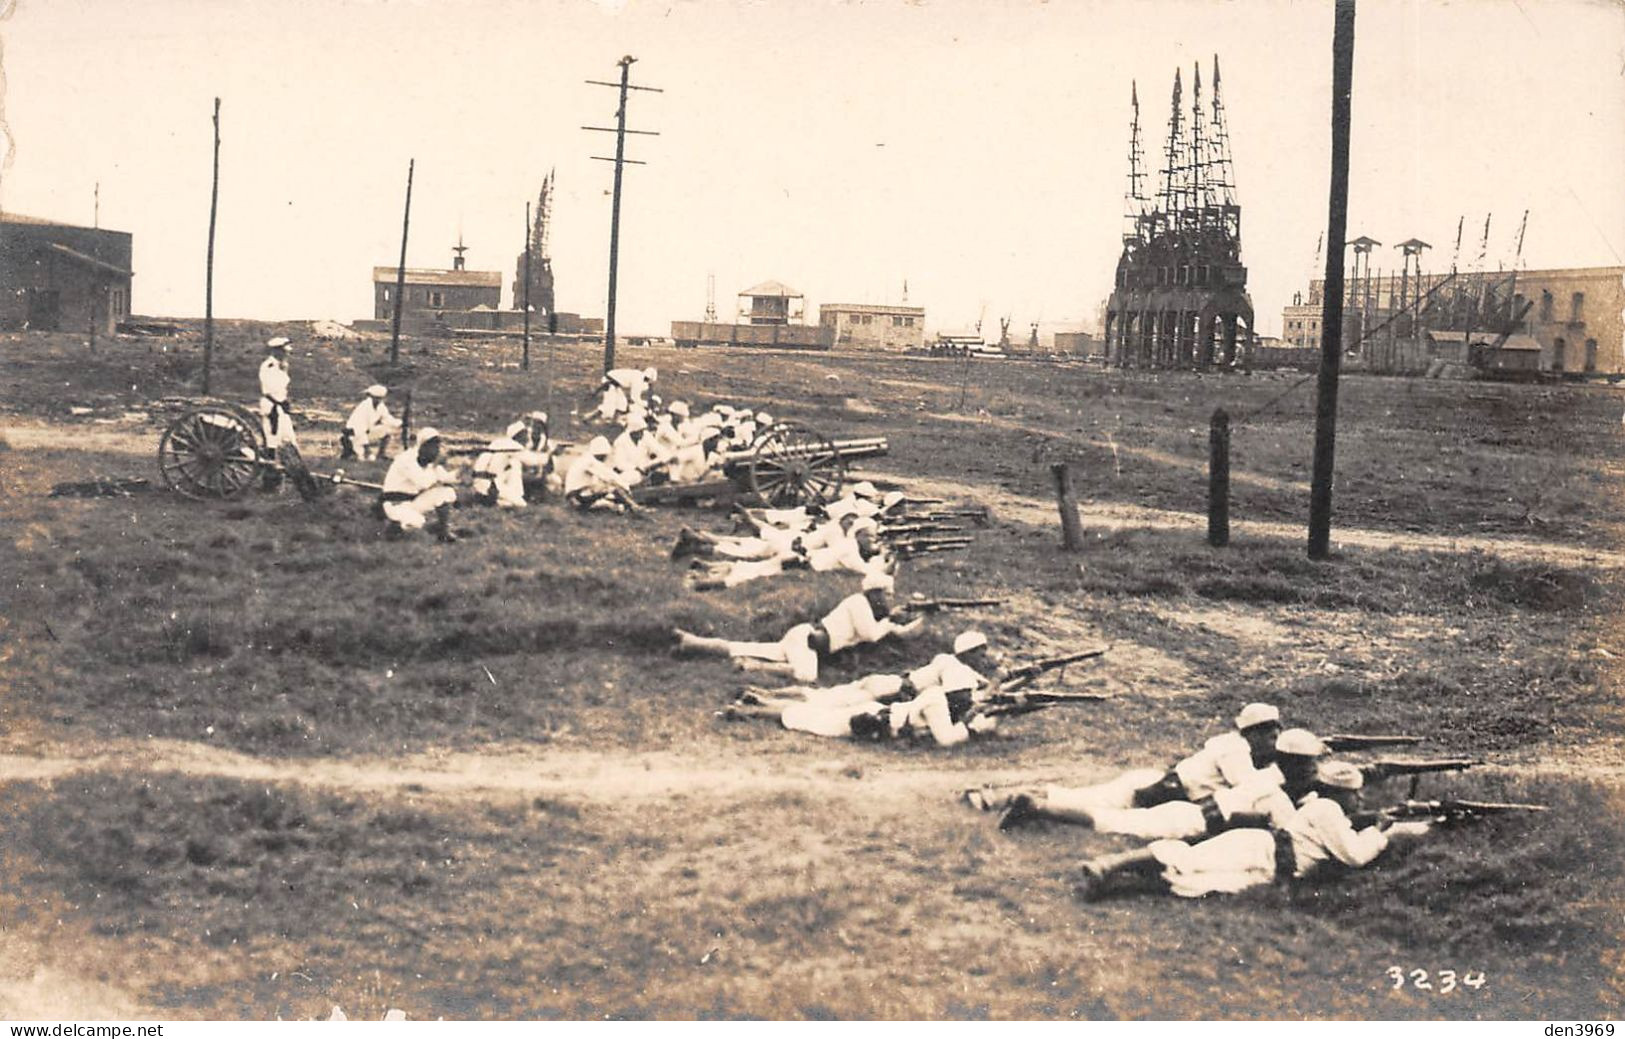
(788, 465)
(217, 450)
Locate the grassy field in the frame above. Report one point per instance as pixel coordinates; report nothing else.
(260, 760)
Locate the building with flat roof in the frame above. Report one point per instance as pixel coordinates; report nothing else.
(429, 295)
(1575, 315)
(60, 277)
(866, 326)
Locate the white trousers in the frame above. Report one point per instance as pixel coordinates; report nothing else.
(414, 514)
(1233, 861)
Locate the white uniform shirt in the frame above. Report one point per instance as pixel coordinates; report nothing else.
(367, 415)
(1223, 761)
(853, 621)
(1256, 797)
(1321, 830)
(588, 473)
(406, 476)
(274, 380)
(929, 712)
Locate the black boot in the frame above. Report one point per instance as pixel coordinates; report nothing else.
(442, 525)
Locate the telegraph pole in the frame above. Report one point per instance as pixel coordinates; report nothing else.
(1331, 315)
(525, 362)
(208, 276)
(400, 272)
(620, 131)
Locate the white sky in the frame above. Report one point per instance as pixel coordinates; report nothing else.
(976, 149)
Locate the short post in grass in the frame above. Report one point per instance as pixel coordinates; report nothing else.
(1218, 479)
(1071, 523)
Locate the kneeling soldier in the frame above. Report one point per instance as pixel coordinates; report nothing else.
(416, 488)
(369, 421)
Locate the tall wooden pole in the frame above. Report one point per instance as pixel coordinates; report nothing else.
(208, 276)
(1331, 316)
(400, 272)
(615, 216)
(525, 361)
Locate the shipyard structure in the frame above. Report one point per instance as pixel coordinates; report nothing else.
(1180, 296)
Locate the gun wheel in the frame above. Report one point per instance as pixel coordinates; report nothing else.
(793, 465)
(210, 452)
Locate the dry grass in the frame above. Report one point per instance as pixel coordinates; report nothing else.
(295, 631)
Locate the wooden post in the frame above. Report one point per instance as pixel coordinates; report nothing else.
(525, 360)
(208, 276)
(400, 272)
(406, 419)
(1218, 479)
(1071, 523)
(1331, 315)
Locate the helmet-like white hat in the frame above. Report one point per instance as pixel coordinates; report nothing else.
(426, 434)
(679, 408)
(966, 641)
(598, 446)
(1301, 742)
(378, 389)
(865, 489)
(278, 343)
(516, 428)
(1257, 714)
(1342, 775)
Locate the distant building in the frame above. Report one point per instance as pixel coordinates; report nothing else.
(1575, 315)
(430, 296)
(771, 303)
(1079, 344)
(864, 326)
(62, 277)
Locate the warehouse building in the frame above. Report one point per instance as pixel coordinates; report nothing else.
(60, 277)
(863, 326)
(430, 296)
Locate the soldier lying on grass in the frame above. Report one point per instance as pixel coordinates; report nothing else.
(867, 616)
(1231, 759)
(939, 699)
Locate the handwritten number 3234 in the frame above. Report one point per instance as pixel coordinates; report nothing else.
(1448, 979)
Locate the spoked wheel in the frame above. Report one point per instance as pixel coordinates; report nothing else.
(792, 465)
(210, 452)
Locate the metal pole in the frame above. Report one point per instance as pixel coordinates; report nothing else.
(208, 276)
(615, 215)
(525, 362)
(1331, 320)
(400, 272)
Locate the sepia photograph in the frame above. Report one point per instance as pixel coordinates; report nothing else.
(812, 511)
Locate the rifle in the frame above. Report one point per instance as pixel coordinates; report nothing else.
(918, 527)
(924, 501)
(1416, 768)
(1010, 705)
(907, 549)
(1025, 675)
(1448, 810)
(938, 605)
(1348, 741)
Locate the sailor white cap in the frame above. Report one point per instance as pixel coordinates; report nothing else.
(883, 582)
(650, 374)
(865, 489)
(377, 389)
(426, 434)
(516, 428)
(966, 641)
(598, 446)
(764, 419)
(1301, 742)
(892, 500)
(1257, 714)
(278, 342)
(538, 416)
(678, 407)
(1340, 774)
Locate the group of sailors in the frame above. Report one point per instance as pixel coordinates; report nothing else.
(1253, 805)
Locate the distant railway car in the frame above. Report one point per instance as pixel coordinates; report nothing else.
(690, 334)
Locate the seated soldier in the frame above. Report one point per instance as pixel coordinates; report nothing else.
(369, 423)
(499, 471)
(864, 617)
(415, 488)
(592, 483)
(1264, 799)
(1319, 831)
